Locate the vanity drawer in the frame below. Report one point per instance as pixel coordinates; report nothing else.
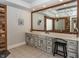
(72, 51)
(72, 47)
(36, 44)
(41, 37)
(49, 43)
(73, 43)
(27, 40)
(49, 50)
(49, 39)
(44, 42)
(28, 35)
(36, 39)
(72, 55)
(32, 42)
(43, 48)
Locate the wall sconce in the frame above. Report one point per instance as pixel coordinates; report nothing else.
(39, 22)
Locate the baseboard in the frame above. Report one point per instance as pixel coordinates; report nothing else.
(16, 45)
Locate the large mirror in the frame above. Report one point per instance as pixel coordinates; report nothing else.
(60, 19)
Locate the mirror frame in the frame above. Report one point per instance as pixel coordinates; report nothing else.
(45, 20)
(78, 18)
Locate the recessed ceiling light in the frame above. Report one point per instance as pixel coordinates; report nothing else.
(64, 5)
(60, 0)
(33, 9)
(44, 6)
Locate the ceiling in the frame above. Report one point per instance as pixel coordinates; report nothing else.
(32, 4)
(61, 11)
(38, 4)
(29, 1)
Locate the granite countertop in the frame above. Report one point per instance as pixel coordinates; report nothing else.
(57, 35)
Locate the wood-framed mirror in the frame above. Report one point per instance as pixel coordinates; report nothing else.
(60, 18)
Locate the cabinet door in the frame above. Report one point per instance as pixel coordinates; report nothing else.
(32, 41)
(27, 38)
(49, 42)
(42, 43)
(36, 41)
(49, 49)
(72, 55)
(72, 49)
(43, 46)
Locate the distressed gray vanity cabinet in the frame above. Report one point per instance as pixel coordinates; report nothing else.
(46, 44)
(72, 51)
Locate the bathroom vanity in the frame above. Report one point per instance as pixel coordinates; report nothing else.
(46, 44)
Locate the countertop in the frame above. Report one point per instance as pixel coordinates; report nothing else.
(57, 35)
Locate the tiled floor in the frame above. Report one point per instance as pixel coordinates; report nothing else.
(29, 52)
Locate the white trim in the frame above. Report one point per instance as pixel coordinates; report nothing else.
(16, 45)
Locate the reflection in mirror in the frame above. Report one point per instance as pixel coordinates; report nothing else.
(49, 24)
(58, 19)
(60, 25)
(38, 21)
(73, 24)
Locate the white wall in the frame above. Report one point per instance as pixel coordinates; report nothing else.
(16, 33)
(19, 2)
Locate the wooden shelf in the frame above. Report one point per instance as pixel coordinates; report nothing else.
(2, 12)
(2, 38)
(2, 15)
(3, 29)
(2, 6)
(2, 33)
(2, 49)
(2, 43)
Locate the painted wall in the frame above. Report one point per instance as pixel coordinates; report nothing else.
(19, 2)
(16, 33)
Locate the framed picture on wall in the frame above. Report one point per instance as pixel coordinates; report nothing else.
(20, 21)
